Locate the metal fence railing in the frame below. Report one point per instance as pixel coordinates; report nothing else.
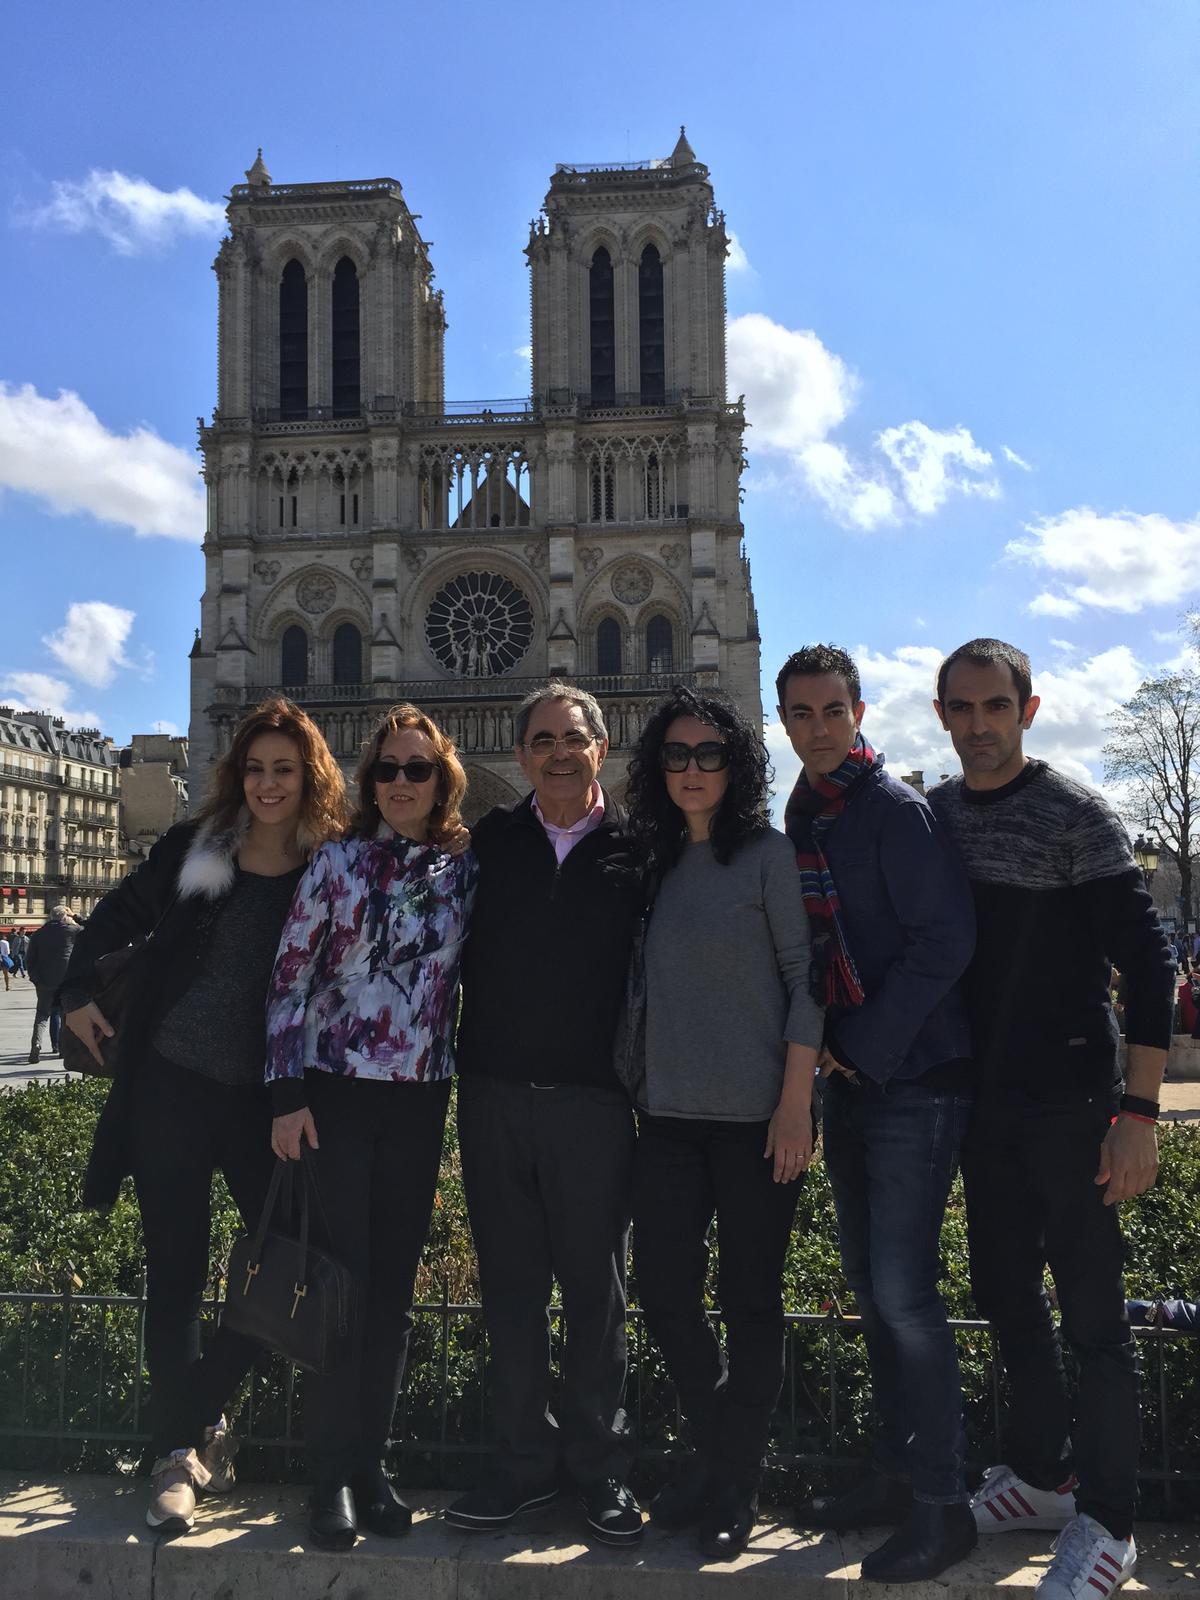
(72, 1378)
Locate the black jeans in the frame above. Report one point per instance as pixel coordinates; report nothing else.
(379, 1148)
(685, 1173)
(891, 1155)
(48, 1011)
(547, 1176)
(182, 1128)
(1031, 1201)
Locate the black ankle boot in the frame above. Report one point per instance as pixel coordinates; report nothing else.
(380, 1508)
(877, 1501)
(931, 1539)
(728, 1520)
(332, 1520)
(680, 1503)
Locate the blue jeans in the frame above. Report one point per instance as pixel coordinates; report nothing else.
(891, 1155)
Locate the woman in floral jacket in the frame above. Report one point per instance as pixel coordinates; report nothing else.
(359, 1060)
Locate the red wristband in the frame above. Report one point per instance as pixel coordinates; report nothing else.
(1136, 1116)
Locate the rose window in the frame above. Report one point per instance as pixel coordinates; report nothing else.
(479, 625)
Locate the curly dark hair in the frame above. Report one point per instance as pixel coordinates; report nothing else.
(655, 822)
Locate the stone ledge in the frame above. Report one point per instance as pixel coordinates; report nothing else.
(85, 1536)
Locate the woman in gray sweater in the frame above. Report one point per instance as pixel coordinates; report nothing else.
(725, 1108)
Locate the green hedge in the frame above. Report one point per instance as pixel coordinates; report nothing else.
(88, 1383)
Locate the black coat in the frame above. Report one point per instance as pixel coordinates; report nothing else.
(49, 953)
(544, 967)
(147, 901)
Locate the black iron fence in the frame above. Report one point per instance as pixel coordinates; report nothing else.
(72, 1394)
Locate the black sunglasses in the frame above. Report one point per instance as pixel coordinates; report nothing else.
(386, 769)
(711, 756)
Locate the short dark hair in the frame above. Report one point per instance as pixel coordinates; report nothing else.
(815, 661)
(990, 653)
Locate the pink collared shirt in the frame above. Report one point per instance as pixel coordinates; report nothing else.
(564, 840)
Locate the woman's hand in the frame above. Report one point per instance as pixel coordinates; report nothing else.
(288, 1131)
(91, 1025)
(790, 1141)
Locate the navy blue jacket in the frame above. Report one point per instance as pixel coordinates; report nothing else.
(910, 924)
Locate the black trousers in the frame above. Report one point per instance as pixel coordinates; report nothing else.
(182, 1128)
(685, 1174)
(380, 1144)
(1031, 1201)
(547, 1177)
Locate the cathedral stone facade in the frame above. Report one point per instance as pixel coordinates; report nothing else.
(368, 542)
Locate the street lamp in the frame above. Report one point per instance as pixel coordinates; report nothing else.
(1146, 851)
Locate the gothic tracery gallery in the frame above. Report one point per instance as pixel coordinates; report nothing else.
(368, 542)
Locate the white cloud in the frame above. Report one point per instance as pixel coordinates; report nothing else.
(90, 643)
(163, 726)
(130, 213)
(736, 259)
(59, 451)
(1015, 459)
(932, 465)
(1064, 645)
(524, 352)
(1122, 561)
(37, 691)
(1053, 605)
(798, 392)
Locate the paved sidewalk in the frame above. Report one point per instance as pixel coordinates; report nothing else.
(81, 1535)
(16, 1024)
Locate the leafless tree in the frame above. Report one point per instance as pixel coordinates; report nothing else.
(1154, 751)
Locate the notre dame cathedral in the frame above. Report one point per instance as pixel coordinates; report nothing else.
(369, 542)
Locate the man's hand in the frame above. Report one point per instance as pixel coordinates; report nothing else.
(1128, 1159)
(789, 1140)
(287, 1132)
(459, 842)
(827, 1065)
(91, 1025)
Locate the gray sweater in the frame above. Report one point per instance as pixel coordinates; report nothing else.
(727, 959)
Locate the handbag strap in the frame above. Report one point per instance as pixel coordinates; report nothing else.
(311, 1188)
(268, 1210)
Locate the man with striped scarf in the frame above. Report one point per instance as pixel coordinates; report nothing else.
(893, 930)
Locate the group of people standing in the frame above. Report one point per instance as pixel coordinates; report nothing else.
(650, 997)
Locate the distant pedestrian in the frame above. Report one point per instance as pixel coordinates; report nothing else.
(48, 957)
(20, 950)
(6, 962)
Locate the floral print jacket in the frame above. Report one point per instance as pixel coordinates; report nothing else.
(366, 978)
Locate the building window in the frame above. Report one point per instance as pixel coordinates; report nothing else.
(651, 327)
(603, 329)
(345, 339)
(347, 654)
(293, 341)
(293, 658)
(608, 646)
(660, 646)
(602, 493)
(294, 498)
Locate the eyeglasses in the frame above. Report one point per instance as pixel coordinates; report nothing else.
(545, 744)
(711, 756)
(387, 769)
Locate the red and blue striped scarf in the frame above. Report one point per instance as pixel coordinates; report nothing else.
(811, 811)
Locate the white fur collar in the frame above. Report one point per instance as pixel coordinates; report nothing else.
(211, 859)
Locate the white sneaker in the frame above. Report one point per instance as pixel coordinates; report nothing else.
(1088, 1563)
(1003, 1501)
(218, 1454)
(174, 1479)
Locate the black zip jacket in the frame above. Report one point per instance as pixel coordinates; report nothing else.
(545, 963)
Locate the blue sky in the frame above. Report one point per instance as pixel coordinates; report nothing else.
(963, 306)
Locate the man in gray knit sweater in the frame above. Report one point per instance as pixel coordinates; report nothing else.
(1054, 1145)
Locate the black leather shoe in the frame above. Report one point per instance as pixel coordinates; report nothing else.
(332, 1521)
(728, 1522)
(495, 1503)
(877, 1501)
(380, 1508)
(931, 1539)
(613, 1514)
(680, 1503)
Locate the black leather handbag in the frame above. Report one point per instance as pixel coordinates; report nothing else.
(285, 1292)
(114, 984)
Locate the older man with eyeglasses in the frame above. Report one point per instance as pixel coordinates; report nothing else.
(545, 1130)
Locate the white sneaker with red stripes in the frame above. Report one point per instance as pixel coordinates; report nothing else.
(1004, 1502)
(1088, 1563)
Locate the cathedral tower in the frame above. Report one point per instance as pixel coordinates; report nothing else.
(367, 543)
